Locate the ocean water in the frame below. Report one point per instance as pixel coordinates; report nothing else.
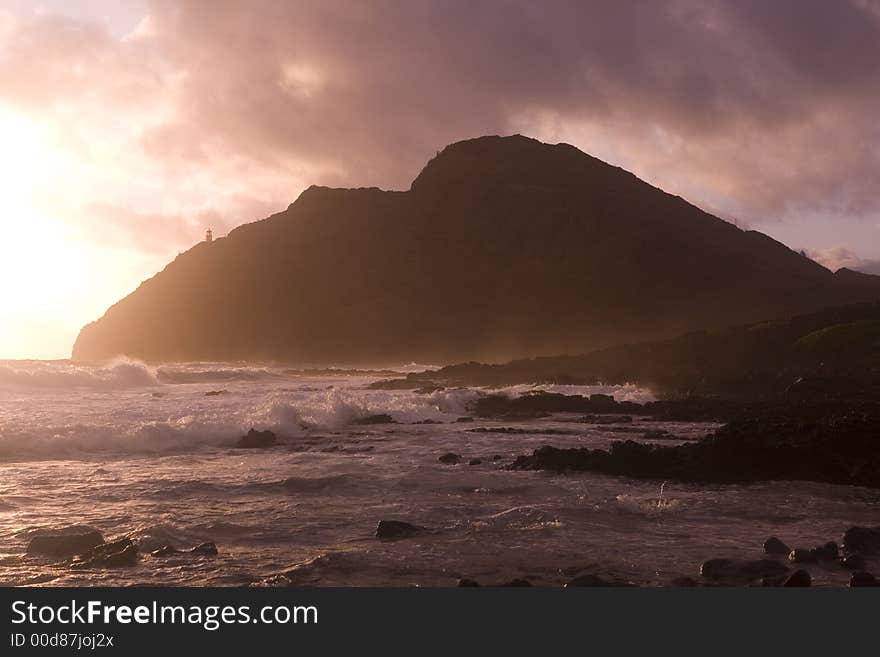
(144, 452)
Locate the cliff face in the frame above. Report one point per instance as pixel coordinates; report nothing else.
(502, 248)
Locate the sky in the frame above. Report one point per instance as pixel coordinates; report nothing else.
(128, 127)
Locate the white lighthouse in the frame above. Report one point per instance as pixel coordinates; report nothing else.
(209, 236)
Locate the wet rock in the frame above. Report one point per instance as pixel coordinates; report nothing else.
(428, 421)
(465, 582)
(257, 439)
(465, 419)
(827, 552)
(380, 418)
(853, 562)
(475, 462)
(450, 458)
(587, 580)
(65, 542)
(216, 393)
(861, 540)
(118, 554)
(684, 582)
(389, 529)
(517, 582)
(802, 555)
(208, 549)
(743, 571)
(496, 457)
(863, 579)
(774, 546)
(798, 578)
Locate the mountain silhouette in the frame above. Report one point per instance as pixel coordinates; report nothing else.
(503, 247)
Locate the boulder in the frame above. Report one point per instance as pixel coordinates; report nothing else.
(450, 458)
(863, 579)
(776, 547)
(853, 562)
(684, 582)
(390, 529)
(475, 462)
(257, 439)
(208, 549)
(465, 582)
(827, 552)
(741, 571)
(798, 578)
(65, 542)
(861, 540)
(802, 555)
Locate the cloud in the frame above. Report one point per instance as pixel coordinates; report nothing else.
(837, 257)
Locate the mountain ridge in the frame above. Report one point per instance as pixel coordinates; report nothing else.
(503, 247)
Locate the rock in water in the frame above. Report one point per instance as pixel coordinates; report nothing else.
(65, 542)
(382, 418)
(587, 580)
(388, 529)
(465, 582)
(861, 540)
(774, 546)
(257, 439)
(517, 582)
(475, 462)
(119, 553)
(863, 579)
(450, 458)
(208, 549)
(741, 571)
(798, 578)
(853, 562)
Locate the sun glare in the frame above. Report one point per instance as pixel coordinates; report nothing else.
(43, 273)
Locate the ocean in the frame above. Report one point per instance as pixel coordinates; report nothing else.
(149, 453)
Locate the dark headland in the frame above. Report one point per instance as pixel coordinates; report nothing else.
(503, 247)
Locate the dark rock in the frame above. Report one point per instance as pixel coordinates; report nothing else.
(450, 458)
(774, 546)
(465, 582)
(216, 393)
(381, 418)
(118, 554)
(798, 578)
(684, 582)
(517, 582)
(475, 462)
(208, 549)
(801, 555)
(164, 551)
(744, 571)
(465, 419)
(257, 439)
(64, 542)
(428, 421)
(862, 540)
(496, 457)
(853, 562)
(388, 529)
(863, 579)
(827, 552)
(587, 580)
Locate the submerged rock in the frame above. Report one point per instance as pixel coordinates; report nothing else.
(380, 418)
(743, 571)
(827, 552)
(517, 582)
(216, 393)
(853, 562)
(587, 580)
(684, 582)
(475, 462)
(257, 439)
(465, 582)
(208, 549)
(450, 458)
(388, 529)
(774, 546)
(118, 554)
(64, 542)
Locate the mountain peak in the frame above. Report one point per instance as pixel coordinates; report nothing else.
(510, 160)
